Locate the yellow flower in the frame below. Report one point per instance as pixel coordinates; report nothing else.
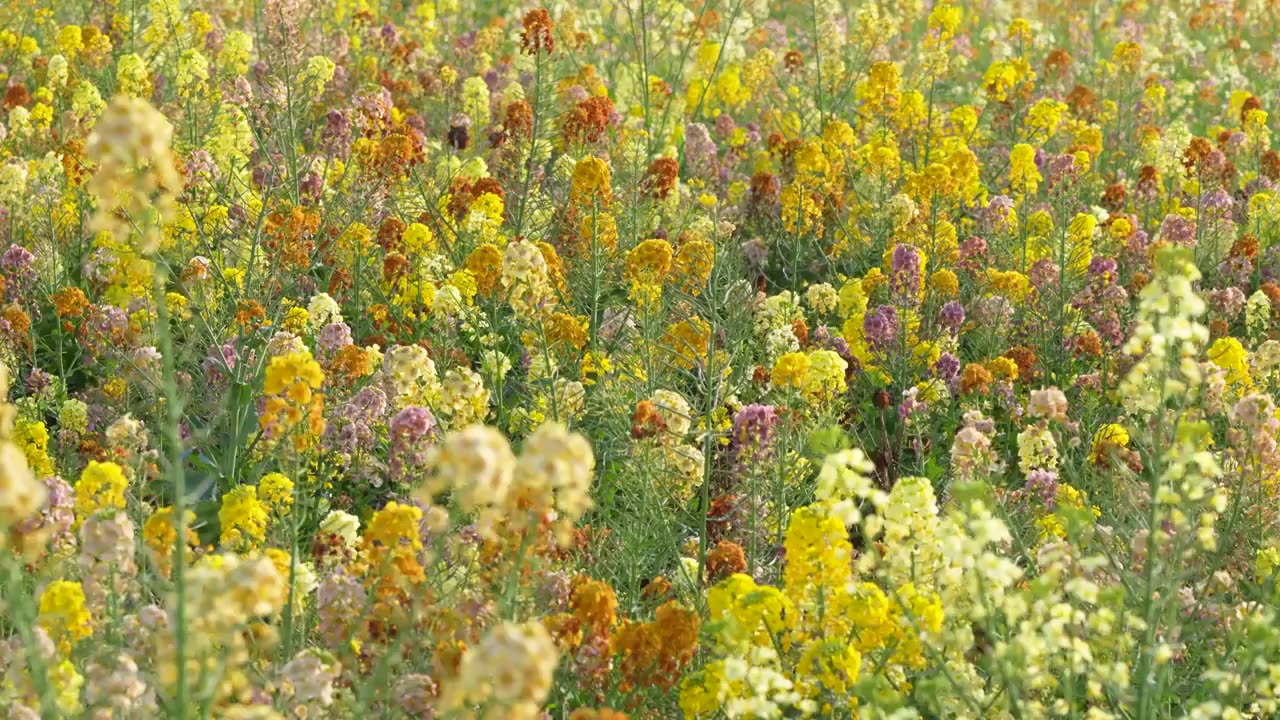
(1228, 354)
(276, 491)
(1003, 367)
(101, 486)
(299, 369)
(63, 614)
(791, 370)
(1023, 174)
(243, 518)
(1107, 437)
(591, 182)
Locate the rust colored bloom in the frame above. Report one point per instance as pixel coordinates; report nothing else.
(1025, 358)
(647, 422)
(1245, 246)
(485, 263)
(1194, 156)
(394, 267)
(1081, 100)
(537, 35)
(1251, 103)
(657, 588)
(1271, 165)
(250, 315)
(800, 329)
(73, 161)
(662, 176)
(19, 324)
(587, 121)
(519, 121)
(653, 654)
(70, 302)
(350, 362)
(720, 516)
(600, 714)
(1089, 344)
(975, 379)
(764, 188)
(725, 559)
(595, 604)
(1272, 291)
(880, 399)
(16, 96)
(1113, 198)
(1137, 282)
(1058, 62)
(389, 233)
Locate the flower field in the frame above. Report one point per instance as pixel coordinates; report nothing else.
(638, 359)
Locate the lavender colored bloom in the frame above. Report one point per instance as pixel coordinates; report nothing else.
(947, 368)
(700, 150)
(1238, 270)
(1102, 265)
(1219, 202)
(312, 185)
(1227, 302)
(105, 331)
(336, 136)
(841, 348)
(756, 253)
(880, 326)
(57, 516)
(221, 360)
(1043, 274)
(973, 253)
(1044, 483)
(333, 337)
(412, 433)
(1059, 168)
(910, 404)
(725, 125)
(201, 167)
(16, 263)
(352, 423)
(905, 273)
(951, 316)
(994, 311)
(753, 430)
(1178, 230)
(39, 381)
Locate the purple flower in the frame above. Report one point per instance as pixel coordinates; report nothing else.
(1043, 274)
(905, 273)
(973, 252)
(1178, 230)
(880, 326)
(351, 432)
(910, 404)
(947, 368)
(1102, 265)
(951, 316)
(333, 337)
(701, 154)
(413, 430)
(1044, 483)
(994, 311)
(753, 428)
(756, 253)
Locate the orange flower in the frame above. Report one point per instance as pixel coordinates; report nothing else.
(595, 604)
